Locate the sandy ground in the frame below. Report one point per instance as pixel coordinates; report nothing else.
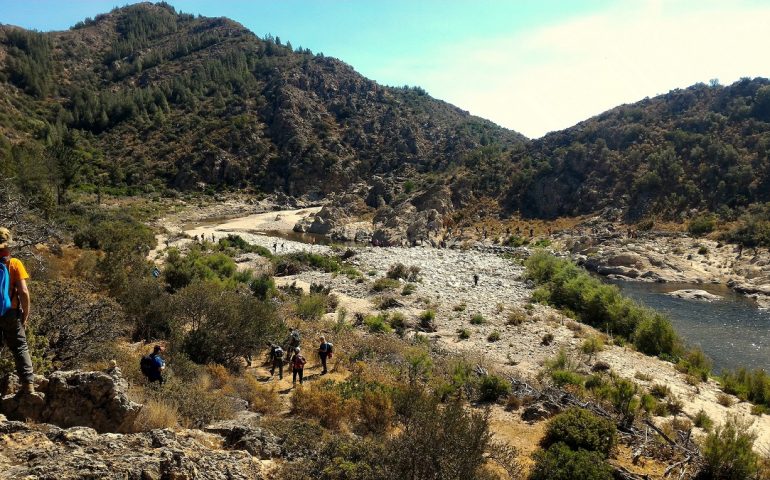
(446, 286)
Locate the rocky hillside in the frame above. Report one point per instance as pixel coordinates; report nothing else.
(705, 147)
(144, 99)
(151, 98)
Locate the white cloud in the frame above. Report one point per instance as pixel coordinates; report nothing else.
(553, 77)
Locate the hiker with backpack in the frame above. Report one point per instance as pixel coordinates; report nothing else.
(14, 310)
(298, 366)
(276, 355)
(325, 351)
(152, 365)
(293, 341)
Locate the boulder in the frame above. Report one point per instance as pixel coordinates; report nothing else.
(254, 440)
(75, 398)
(689, 294)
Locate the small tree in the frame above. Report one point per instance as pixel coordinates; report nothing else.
(728, 453)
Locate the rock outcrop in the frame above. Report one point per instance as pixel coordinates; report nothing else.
(690, 294)
(74, 398)
(48, 452)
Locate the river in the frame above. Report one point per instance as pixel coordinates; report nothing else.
(733, 332)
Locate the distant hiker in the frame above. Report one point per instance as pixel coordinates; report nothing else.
(297, 366)
(475, 279)
(740, 249)
(212, 238)
(325, 350)
(276, 355)
(155, 272)
(531, 232)
(14, 310)
(152, 365)
(293, 341)
(282, 246)
(166, 242)
(275, 248)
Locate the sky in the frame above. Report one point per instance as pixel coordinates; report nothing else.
(533, 66)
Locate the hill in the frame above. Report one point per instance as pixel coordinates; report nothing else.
(145, 99)
(704, 147)
(151, 98)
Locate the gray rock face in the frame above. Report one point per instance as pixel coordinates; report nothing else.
(73, 398)
(48, 452)
(256, 441)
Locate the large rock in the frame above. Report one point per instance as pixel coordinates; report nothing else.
(689, 294)
(48, 452)
(74, 398)
(252, 439)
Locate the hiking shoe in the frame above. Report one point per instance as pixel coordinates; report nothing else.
(27, 388)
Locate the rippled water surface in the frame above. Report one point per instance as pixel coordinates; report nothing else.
(732, 331)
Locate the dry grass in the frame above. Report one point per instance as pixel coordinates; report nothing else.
(220, 376)
(324, 404)
(156, 414)
(261, 398)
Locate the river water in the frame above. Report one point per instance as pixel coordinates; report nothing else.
(733, 332)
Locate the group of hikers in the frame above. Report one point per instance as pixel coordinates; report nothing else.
(152, 365)
(294, 358)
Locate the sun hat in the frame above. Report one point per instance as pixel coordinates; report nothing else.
(5, 238)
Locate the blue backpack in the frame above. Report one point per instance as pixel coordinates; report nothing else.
(5, 288)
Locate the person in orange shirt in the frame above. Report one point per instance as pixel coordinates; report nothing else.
(13, 321)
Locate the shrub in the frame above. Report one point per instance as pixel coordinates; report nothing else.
(398, 322)
(377, 323)
(564, 377)
(702, 250)
(702, 420)
(385, 283)
(592, 345)
(725, 400)
(492, 387)
(459, 307)
(728, 453)
(600, 366)
(311, 307)
(195, 404)
(753, 386)
(494, 336)
(398, 271)
(262, 399)
(426, 320)
(321, 402)
(477, 319)
(580, 429)
(655, 336)
(559, 462)
(547, 339)
(408, 289)
(702, 225)
(464, 334)
(386, 302)
(516, 317)
(376, 411)
(660, 391)
(263, 287)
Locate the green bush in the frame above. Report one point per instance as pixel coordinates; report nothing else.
(263, 287)
(564, 377)
(580, 429)
(753, 386)
(492, 387)
(477, 319)
(311, 307)
(494, 336)
(559, 462)
(180, 271)
(702, 225)
(385, 283)
(567, 286)
(378, 323)
(702, 420)
(728, 453)
(464, 334)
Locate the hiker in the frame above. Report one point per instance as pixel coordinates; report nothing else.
(212, 238)
(325, 350)
(531, 232)
(275, 248)
(297, 366)
(276, 355)
(475, 279)
(152, 365)
(14, 310)
(293, 341)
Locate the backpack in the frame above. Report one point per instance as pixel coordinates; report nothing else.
(329, 349)
(295, 337)
(298, 362)
(147, 365)
(5, 288)
(277, 352)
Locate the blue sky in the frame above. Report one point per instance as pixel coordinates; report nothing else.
(533, 66)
